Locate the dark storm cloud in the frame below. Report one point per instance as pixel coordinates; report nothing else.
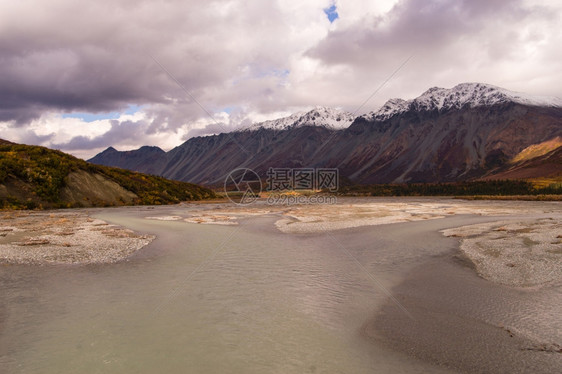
(94, 57)
(76, 78)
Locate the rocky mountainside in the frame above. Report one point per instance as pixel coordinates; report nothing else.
(456, 134)
(38, 177)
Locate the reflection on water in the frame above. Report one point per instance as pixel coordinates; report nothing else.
(214, 299)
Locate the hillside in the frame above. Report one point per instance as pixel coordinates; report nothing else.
(538, 163)
(38, 177)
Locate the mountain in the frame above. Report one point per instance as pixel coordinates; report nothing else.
(457, 134)
(445, 135)
(150, 160)
(32, 176)
(329, 118)
(209, 159)
(464, 95)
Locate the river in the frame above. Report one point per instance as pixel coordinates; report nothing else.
(226, 299)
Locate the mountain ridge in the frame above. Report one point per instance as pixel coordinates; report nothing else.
(463, 94)
(443, 135)
(330, 118)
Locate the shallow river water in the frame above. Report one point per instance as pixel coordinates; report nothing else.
(222, 299)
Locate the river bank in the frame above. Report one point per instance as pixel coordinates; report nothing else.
(64, 237)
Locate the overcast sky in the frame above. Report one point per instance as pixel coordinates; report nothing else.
(83, 75)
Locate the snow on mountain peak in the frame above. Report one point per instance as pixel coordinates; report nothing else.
(320, 116)
(464, 94)
(434, 99)
(389, 109)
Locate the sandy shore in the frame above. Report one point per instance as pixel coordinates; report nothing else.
(57, 237)
(302, 219)
(518, 253)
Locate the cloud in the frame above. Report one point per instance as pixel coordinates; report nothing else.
(30, 137)
(129, 130)
(432, 26)
(259, 57)
(499, 42)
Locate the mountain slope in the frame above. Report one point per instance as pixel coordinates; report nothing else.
(444, 135)
(433, 146)
(537, 150)
(150, 160)
(545, 165)
(32, 176)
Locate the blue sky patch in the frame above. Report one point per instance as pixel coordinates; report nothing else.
(91, 117)
(132, 109)
(332, 13)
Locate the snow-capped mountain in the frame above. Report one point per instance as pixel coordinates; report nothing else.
(330, 118)
(462, 95)
(469, 131)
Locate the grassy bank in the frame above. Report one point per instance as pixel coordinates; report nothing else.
(37, 177)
